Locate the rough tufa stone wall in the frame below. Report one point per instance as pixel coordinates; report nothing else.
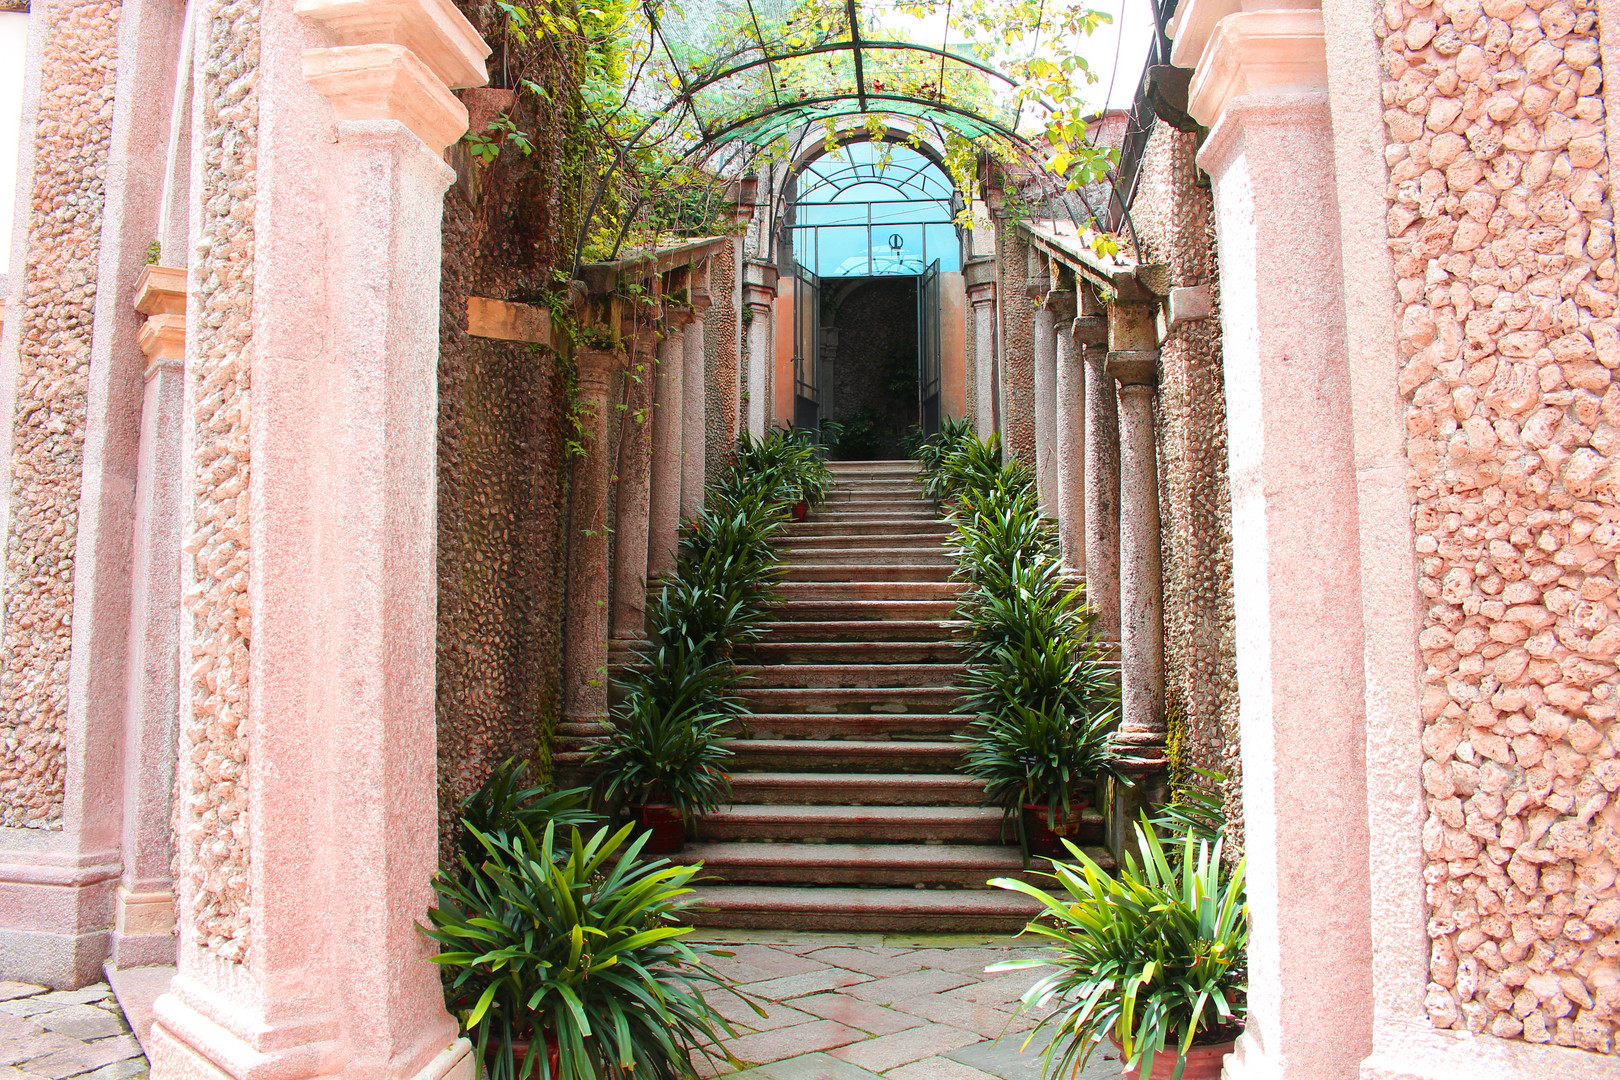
(1174, 220)
(1016, 324)
(1503, 243)
(210, 810)
(722, 337)
(71, 140)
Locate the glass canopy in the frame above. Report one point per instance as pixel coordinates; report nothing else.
(754, 70)
(869, 209)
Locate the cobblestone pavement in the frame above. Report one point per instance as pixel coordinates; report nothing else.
(46, 1035)
(862, 1006)
(839, 1007)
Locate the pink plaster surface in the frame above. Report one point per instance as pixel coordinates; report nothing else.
(782, 379)
(953, 345)
(1295, 559)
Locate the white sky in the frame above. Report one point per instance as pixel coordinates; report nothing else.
(1131, 34)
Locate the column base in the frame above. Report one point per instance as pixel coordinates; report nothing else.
(1419, 1051)
(1248, 1061)
(143, 929)
(56, 910)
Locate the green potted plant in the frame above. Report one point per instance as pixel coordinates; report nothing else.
(664, 752)
(1152, 958)
(564, 960)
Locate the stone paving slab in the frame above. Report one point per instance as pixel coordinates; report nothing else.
(65, 1034)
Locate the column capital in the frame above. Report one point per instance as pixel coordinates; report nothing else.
(434, 31)
(596, 367)
(982, 293)
(701, 302)
(1061, 303)
(387, 82)
(1135, 368)
(1090, 330)
(1256, 53)
(678, 318)
(160, 295)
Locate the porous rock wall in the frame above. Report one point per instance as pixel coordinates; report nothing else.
(1174, 222)
(71, 138)
(722, 332)
(1502, 234)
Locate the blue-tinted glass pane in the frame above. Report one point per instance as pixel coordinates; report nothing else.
(831, 215)
(944, 245)
(897, 249)
(841, 251)
(915, 211)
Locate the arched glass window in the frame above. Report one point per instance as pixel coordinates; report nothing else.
(869, 209)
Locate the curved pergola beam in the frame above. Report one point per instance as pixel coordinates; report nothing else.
(847, 46)
(793, 113)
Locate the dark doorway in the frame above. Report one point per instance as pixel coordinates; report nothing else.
(870, 364)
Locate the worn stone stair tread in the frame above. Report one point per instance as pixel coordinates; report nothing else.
(865, 556)
(774, 907)
(863, 629)
(850, 675)
(968, 866)
(851, 610)
(860, 592)
(857, 789)
(833, 652)
(897, 727)
(845, 755)
(863, 572)
(851, 699)
(916, 538)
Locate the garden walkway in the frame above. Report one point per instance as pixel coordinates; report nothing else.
(860, 1006)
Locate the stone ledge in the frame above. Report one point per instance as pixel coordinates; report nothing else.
(387, 82)
(1258, 52)
(434, 30)
(501, 320)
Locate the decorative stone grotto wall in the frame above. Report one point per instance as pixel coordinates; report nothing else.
(1503, 241)
(211, 803)
(723, 344)
(1174, 220)
(47, 426)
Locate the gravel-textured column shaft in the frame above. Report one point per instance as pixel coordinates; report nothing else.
(632, 517)
(1071, 439)
(1141, 597)
(1045, 405)
(1102, 497)
(585, 647)
(668, 434)
(694, 389)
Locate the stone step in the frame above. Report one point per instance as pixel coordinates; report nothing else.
(795, 543)
(844, 755)
(896, 555)
(933, 911)
(877, 511)
(853, 676)
(855, 630)
(886, 824)
(962, 866)
(940, 570)
(877, 497)
(857, 789)
(870, 590)
(857, 610)
(850, 699)
(873, 525)
(852, 726)
(894, 466)
(850, 652)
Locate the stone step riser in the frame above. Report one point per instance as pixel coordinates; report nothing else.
(841, 652)
(855, 789)
(765, 907)
(858, 572)
(861, 610)
(850, 676)
(851, 699)
(850, 631)
(876, 557)
(933, 727)
(844, 756)
(884, 526)
(927, 541)
(801, 824)
(894, 866)
(866, 591)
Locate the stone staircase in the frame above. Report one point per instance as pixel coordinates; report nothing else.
(849, 812)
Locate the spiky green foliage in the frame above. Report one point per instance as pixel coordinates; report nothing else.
(1040, 756)
(1154, 956)
(1199, 811)
(504, 805)
(577, 941)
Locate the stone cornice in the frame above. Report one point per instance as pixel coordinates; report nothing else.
(1196, 20)
(434, 30)
(1260, 53)
(160, 295)
(387, 82)
(1134, 367)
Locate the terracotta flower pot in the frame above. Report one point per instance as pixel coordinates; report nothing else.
(667, 826)
(801, 510)
(520, 1050)
(1046, 835)
(1203, 1063)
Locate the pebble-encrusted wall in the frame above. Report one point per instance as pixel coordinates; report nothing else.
(1503, 240)
(504, 429)
(71, 139)
(722, 337)
(211, 805)
(1175, 223)
(1016, 327)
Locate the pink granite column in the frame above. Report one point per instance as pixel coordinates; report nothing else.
(1045, 374)
(668, 435)
(694, 449)
(143, 927)
(759, 293)
(585, 630)
(632, 512)
(1270, 156)
(1141, 599)
(982, 295)
(1102, 497)
(1085, 334)
(306, 803)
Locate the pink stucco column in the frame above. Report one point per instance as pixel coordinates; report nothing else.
(759, 296)
(632, 513)
(694, 448)
(1270, 154)
(1102, 497)
(586, 626)
(981, 294)
(668, 435)
(1045, 343)
(143, 927)
(306, 802)
(1068, 432)
(1141, 600)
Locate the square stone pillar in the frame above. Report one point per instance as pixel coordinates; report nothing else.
(1295, 542)
(1015, 362)
(759, 294)
(306, 816)
(1045, 397)
(1089, 331)
(143, 928)
(981, 294)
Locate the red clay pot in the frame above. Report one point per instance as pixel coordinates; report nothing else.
(667, 826)
(1046, 836)
(520, 1050)
(1203, 1063)
(801, 510)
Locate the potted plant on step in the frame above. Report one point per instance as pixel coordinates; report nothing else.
(564, 960)
(663, 755)
(1152, 958)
